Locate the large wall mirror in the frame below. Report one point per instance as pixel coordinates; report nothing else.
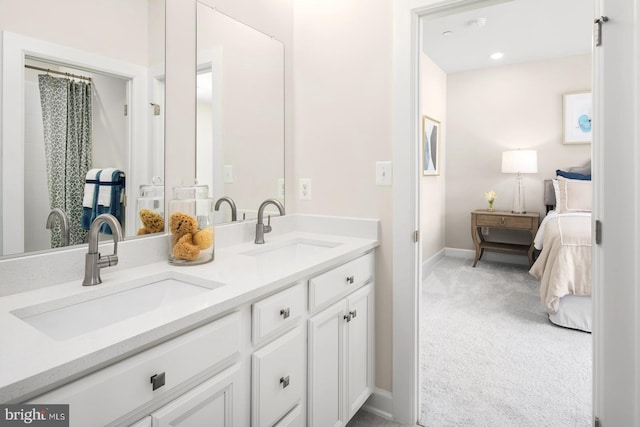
(240, 113)
(82, 96)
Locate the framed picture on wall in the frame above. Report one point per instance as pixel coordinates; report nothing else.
(430, 146)
(576, 117)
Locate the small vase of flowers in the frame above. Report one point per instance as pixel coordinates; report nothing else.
(491, 197)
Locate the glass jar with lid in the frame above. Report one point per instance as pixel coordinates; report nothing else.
(191, 230)
(150, 208)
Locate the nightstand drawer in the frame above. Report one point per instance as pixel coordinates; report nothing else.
(499, 221)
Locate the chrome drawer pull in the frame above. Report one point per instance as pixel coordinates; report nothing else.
(157, 380)
(284, 381)
(347, 317)
(285, 313)
(350, 280)
(352, 314)
(502, 220)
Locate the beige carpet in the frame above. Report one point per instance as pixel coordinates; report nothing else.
(490, 356)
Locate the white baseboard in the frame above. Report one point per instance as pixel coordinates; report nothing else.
(380, 403)
(426, 265)
(487, 256)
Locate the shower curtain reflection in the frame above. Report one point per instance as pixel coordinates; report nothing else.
(66, 116)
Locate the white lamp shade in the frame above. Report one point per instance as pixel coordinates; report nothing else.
(520, 161)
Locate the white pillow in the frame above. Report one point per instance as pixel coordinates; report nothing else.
(574, 195)
(556, 191)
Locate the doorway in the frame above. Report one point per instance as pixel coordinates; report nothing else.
(484, 333)
(405, 297)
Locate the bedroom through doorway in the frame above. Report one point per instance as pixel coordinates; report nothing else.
(493, 81)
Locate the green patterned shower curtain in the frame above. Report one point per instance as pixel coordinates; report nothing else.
(66, 115)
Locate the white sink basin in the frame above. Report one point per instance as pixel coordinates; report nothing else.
(74, 316)
(291, 250)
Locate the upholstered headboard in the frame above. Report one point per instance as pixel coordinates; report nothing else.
(549, 195)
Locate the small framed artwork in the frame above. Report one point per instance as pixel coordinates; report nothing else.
(430, 146)
(576, 117)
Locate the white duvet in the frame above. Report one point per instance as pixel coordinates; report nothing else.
(564, 264)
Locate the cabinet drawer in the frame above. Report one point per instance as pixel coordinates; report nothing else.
(499, 221)
(293, 419)
(326, 286)
(126, 385)
(278, 378)
(277, 312)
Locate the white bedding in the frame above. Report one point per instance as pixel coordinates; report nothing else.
(564, 264)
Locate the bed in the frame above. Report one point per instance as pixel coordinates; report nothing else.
(564, 263)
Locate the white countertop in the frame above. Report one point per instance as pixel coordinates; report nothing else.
(33, 363)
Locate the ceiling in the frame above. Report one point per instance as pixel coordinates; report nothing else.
(523, 30)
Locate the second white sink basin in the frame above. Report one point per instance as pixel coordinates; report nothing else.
(291, 250)
(69, 317)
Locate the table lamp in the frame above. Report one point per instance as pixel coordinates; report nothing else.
(519, 162)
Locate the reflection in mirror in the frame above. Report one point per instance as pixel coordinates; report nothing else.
(240, 114)
(82, 117)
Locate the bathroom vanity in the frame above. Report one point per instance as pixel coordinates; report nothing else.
(275, 334)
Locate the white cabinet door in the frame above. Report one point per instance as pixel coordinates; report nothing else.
(326, 367)
(214, 403)
(278, 378)
(360, 348)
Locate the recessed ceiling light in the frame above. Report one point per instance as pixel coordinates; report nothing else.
(447, 33)
(477, 22)
(496, 55)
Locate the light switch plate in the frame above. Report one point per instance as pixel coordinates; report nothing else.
(384, 173)
(281, 188)
(227, 177)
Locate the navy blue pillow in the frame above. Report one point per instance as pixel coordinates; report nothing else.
(573, 175)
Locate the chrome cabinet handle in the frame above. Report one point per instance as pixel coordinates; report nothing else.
(350, 280)
(353, 313)
(157, 380)
(285, 313)
(284, 381)
(347, 317)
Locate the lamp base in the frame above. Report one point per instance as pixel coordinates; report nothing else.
(518, 196)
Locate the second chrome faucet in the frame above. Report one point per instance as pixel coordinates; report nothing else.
(260, 227)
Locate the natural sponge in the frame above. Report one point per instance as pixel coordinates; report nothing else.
(152, 222)
(181, 224)
(185, 249)
(204, 238)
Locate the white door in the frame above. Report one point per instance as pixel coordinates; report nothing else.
(360, 349)
(326, 367)
(213, 403)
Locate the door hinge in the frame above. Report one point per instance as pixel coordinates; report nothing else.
(416, 236)
(596, 422)
(597, 29)
(126, 110)
(598, 232)
(156, 109)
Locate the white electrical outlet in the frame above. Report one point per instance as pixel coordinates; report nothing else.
(305, 189)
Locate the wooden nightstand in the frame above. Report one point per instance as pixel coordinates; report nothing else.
(506, 221)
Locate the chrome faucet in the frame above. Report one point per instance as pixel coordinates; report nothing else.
(64, 224)
(94, 261)
(260, 227)
(234, 211)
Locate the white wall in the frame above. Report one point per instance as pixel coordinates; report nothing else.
(343, 61)
(122, 23)
(432, 188)
(505, 108)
